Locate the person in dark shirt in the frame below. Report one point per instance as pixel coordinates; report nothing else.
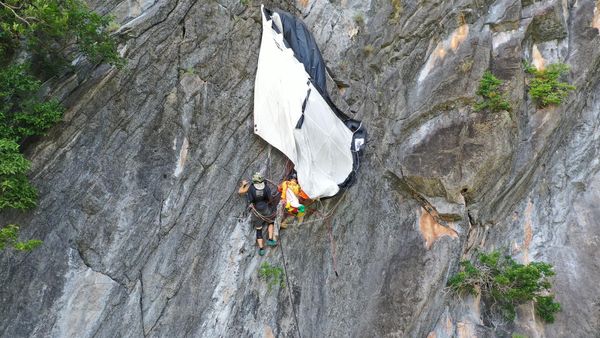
(259, 197)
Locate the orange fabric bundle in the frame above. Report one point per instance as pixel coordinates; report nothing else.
(294, 187)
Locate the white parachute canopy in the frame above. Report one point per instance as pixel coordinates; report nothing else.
(320, 148)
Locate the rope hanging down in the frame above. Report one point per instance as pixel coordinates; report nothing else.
(287, 280)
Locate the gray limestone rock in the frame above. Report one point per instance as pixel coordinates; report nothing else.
(144, 232)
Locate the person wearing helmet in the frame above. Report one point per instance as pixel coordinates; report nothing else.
(259, 197)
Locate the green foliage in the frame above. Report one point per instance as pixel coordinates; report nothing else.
(489, 90)
(9, 237)
(461, 282)
(15, 190)
(273, 275)
(46, 33)
(505, 284)
(546, 307)
(245, 2)
(545, 87)
(396, 10)
(46, 28)
(359, 19)
(22, 113)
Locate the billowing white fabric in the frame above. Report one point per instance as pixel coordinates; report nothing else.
(320, 150)
(291, 198)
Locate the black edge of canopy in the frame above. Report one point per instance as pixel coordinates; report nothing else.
(298, 37)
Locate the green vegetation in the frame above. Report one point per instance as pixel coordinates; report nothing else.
(45, 29)
(22, 112)
(9, 238)
(545, 87)
(493, 99)
(359, 19)
(273, 275)
(15, 190)
(38, 39)
(396, 10)
(245, 2)
(504, 284)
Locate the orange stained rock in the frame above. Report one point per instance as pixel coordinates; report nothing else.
(459, 36)
(432, 335)
(449, 326)
(268, 332)
(431, 230)
(465, 330)
(538, 59)
(596, 19)
(304, 3)
(440, 53)
(441, 49)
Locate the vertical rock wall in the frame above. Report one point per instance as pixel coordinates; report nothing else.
(144, 234)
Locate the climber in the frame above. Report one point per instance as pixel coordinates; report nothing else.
(259, 196)
(293, 198)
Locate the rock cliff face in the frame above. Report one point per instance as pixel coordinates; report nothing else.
(144, 233)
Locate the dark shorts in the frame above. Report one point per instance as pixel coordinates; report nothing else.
(260, 222)
(260, 225)
(264, 219)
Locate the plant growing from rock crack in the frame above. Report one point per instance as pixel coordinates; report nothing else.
(273, 275)
(9, 237)
(493, 99)
(504, 284)
(359, 19)
(396, 10)
(368, 50)
(22, 112)
(545, 87)
(15, 190)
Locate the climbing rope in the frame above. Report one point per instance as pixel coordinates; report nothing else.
(287, 280)
(329, 213)
(269, 219)
(332, 245)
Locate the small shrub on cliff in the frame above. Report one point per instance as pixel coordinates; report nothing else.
(396, 10)
(359, 19)
(15, 193)
(504, 284)
(22, 112)
(273, 275)
(493, 99)
(9, 237)
(545, 87)
(15, 190)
